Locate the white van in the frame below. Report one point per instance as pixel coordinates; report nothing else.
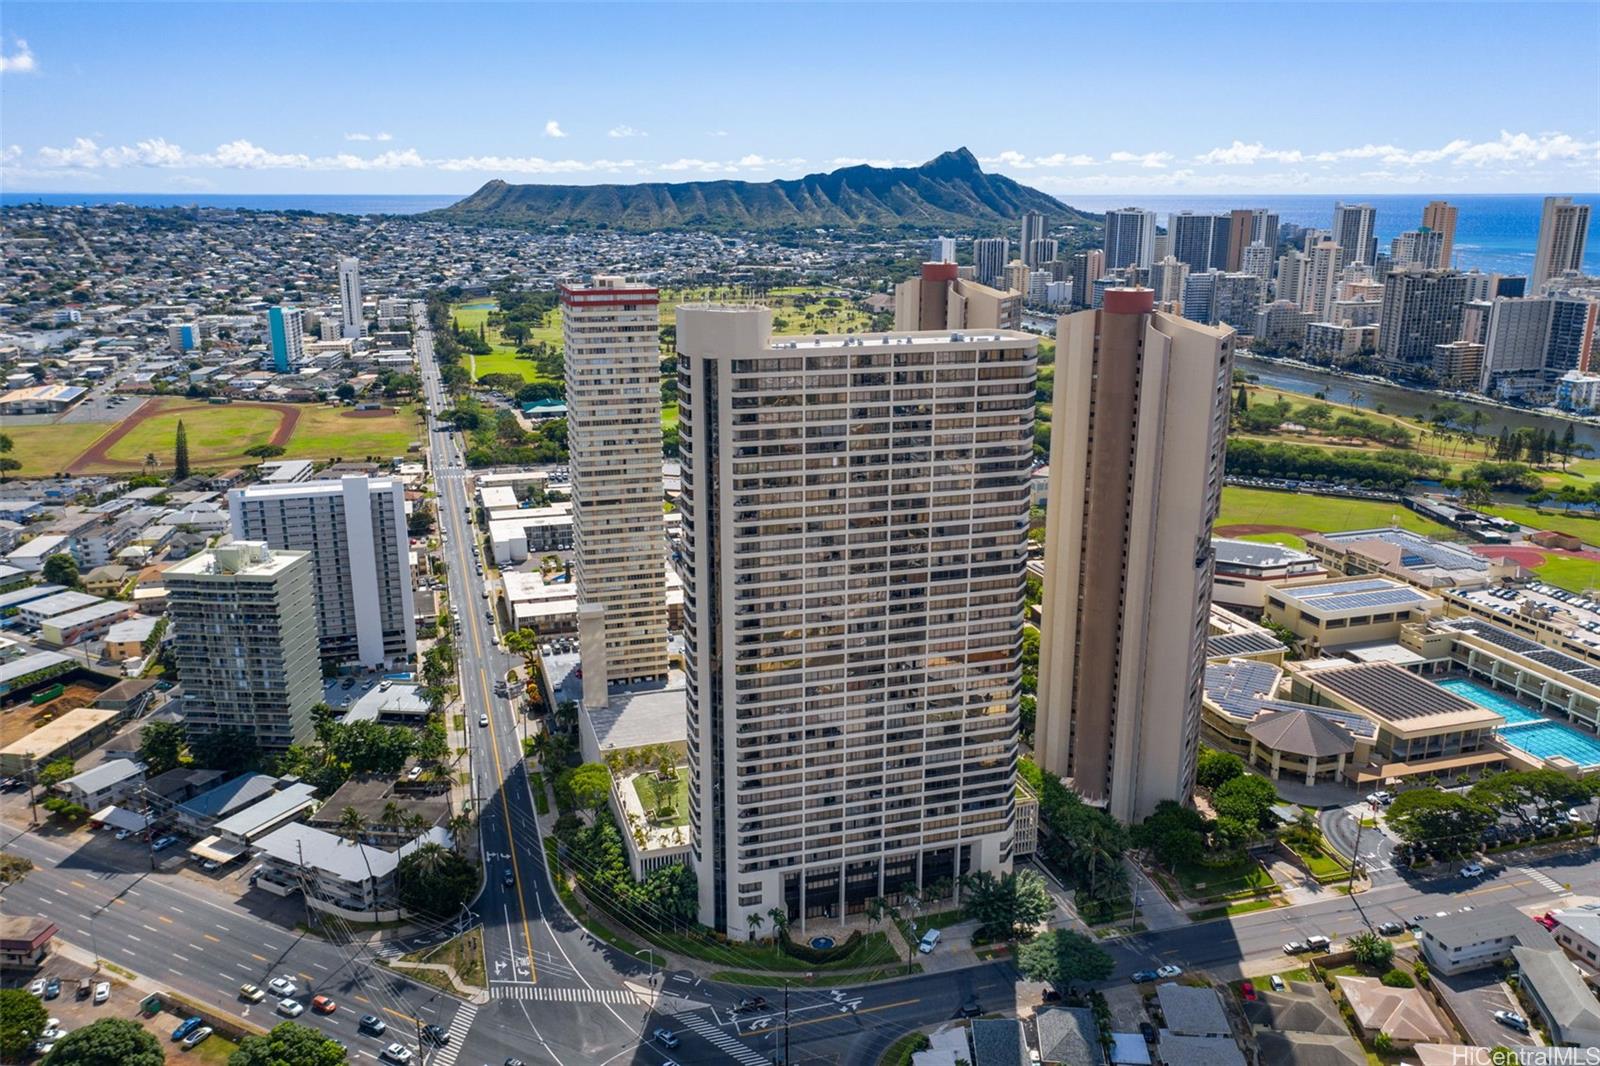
(930, 940)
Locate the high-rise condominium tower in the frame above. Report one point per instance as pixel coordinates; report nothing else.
(351, 324)
(942, 250)
(1130, 238)
(1421, 309)
(286, 330)
(939, 298)
(355, 532)
(1087, 268)
(989, 258)
(1141, 419)
(1355, 229)
(1319, 281)
(855, 512)
(245, 637)
(1440, 217)
(611, 331)
(1032, 230)
(1563, 234)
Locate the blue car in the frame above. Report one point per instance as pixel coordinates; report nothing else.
(187, 1026)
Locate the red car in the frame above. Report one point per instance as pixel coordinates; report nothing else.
(1547, 920)
(323, 1005)
(1248, 991)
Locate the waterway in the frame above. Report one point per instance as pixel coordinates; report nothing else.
(1415, 403)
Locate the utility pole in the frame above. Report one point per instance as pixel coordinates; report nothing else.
(786, 1023)
(1350, 884)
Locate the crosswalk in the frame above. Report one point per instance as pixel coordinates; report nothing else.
(446, 1056)
(1545, 879)
(726, 1044)
(548, 994)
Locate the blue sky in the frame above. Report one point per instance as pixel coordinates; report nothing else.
(1092, 99)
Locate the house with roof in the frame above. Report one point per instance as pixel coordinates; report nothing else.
(1470, 940)
(110, 782)
(1403, 1013)
(1301, 1026)
(336, 876)
(1068, 1036)
(1176, 1049)
(998, 1042)
(1309, 1049)
(1246, 570)
(1189, 1010)
(1564, 999)
(1578, 932)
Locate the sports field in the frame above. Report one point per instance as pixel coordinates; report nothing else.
(1295, 512)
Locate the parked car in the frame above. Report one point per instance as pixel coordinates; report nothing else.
(163, 843)
(1318, 943)
(52, 988)
(1147, 1031)
(1141, 976)
(102, 992)
(197, 1037)
(666, 1038)
(37, 987)
(291, 1008)
(371, 1023)
(1512, 1020)
(252, 993)
(187, 1026)
(1296, 947)
(1168, 971)
(1277, 983)
(1247, 991)
(1472, 869)
(85, 986)
(929, 941)
(1391, 928)
(283, 986)
(970, 1008)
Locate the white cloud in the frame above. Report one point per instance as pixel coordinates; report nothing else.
(1149, 160)
(12, 153)
(1508, 148)
(716, 133)
(553, 129)
(625, 131)
(857, 161)
(20, 61)
(81, 153)
(369, 136)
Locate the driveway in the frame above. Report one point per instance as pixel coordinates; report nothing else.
(1475, 997)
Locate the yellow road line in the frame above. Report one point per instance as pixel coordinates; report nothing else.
(864, 1010)
(360, 998)
(163, 918)
(505, 810)
(216, 939)
(119, 901)
(77, 884)
(258, 958)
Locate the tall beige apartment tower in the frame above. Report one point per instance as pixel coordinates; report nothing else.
(1563, 233)
(1440, 217)
(611, 333)
(855, 513)
(1136, 451)
(939, 298)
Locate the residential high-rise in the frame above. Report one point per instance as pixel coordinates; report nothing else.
(611, 333)
(1032, 230)
(1167, 280)
(1319, 282)
(286, 331)
(1518, 340)
(1087, 268)
(1136, 470)
(1235, 300)
(1241, 230)
(1042, 252)
(1200, 240)
(1257, 260)
(351, 324)
(1130, 237)
(942, 250)
(1418, 248)
(1292, 269)
(1440, 217)
(1017, 276)
(1355, 229)
(940, 299)
(855, 512)
(245, 637)
(1563, 235)
(1199, 288)
(1421, 309)
(989, 258)
(354, 530)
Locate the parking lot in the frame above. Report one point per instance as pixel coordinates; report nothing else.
(56, 984)
(1475, 997)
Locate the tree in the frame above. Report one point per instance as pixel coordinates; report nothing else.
(589, 785)
(55, 772)
(1544, 791)
(108, 1042)
(22, 1019)
(1173, 833)
(352, 823)
(180, 453)
(1213, 768)
(345, 391)
(1443, 823)
(62, 569)
(230, 750)
(1062, 958)
(288, 1044)
(435, 881)
(1008, 905)
(161, 746)
(8, 464)
(265, 451)
(1372, 950)
(1247, 798)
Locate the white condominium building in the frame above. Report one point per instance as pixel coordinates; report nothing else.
(351, 324)
(245, 636)
(855, 512)
(611, 332)
(1563, 233)
(355, 532)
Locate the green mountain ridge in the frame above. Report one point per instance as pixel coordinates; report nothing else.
(950, 192)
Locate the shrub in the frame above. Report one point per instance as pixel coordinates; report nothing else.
(1398, 979)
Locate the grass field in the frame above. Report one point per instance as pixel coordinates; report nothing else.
(1578, 575)
(504, 360)
(216, 435)
(44, 450)
(649, 791)
(333, 432)
(1562, 521)
(669, 415)
(1288, 540)
(1241, 506)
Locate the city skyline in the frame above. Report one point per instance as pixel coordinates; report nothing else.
(257, 131)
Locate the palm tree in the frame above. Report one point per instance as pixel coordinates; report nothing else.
(430, 858)
(413, 823)
(780, 920)
(752, 922)
(459, 826)
(150, 461)
(352, 823)
(393, 813)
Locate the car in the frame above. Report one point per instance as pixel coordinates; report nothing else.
(283, 986)
(1381, 796)
(37, 987)
(210, 865)
(1139, 977)
(348, 682)
(123, 834)
(970, 1008)
(750, 1003)
(291, 1008)
(514, 1062)
(1547, 920)
(52, 988)
(929, 941)
(483, 719)
(1277, 983)
(507, 877)
(398, 1054)
(163, 843)
(1417, 920)
(85, 987)
(197, 1037)
(1390, 928)
(666, 1038)
(323, 1004)
(1511, 1019)
(1168, 971)
(1472, 869)
(1296, 947)
(434, 1035)
(42, 1047)
(252, 993)
(1247, 990)
(1576, 816)
(1147, 1031)
(1319, 943)
(102, 992)
(187, 1026)
(371, 1023)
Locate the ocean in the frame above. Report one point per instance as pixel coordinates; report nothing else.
(1493, 232)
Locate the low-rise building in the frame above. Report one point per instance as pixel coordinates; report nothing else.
(85, 624)
(1405, 556)
(1353, 611)
(1192, 1010)
(352, 881)
(71, 735)
(1565, 1001)
(25, 941)
(1403, 1013)
(1578, 932)
(110, 782)
(1245, 571)
(1470, 940)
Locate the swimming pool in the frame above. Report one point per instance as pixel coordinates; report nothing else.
(1484, 696)
(1545, 739)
